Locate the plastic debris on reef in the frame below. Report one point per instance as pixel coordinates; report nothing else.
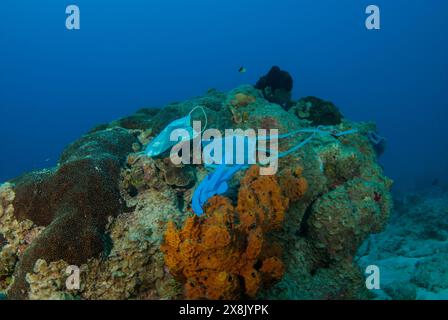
(216, 182)
(378, 142)
(162, 142)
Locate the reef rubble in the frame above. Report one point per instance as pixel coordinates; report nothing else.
(125, 220)
(412, 251)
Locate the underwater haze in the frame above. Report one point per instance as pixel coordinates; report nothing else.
(56, 84)
(353, 206)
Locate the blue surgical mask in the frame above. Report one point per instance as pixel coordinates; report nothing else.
(162, 142)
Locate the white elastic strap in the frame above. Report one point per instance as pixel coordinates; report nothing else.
(205, 116)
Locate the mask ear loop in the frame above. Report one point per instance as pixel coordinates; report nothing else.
(320, 130)
(205, 116)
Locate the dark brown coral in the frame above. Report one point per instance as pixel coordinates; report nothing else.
(73, 201)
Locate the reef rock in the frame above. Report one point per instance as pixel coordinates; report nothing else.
(125, 219)
(317, 111)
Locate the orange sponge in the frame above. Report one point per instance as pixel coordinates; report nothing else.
(294, 186)
(224, 254)
(261, 201)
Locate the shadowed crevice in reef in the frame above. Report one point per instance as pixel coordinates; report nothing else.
(73, 201)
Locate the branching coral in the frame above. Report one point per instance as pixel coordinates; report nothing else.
(225, 254)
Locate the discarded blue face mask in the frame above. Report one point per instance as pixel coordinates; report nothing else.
(216, 183)
(375, 138)
(248, 156)
(230, 156)
(162, 142)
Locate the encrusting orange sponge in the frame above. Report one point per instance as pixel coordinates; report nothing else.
(242, 100)
(293, 184)
(260, 201)
(224, 254)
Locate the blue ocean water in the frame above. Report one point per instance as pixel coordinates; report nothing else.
(56, 84)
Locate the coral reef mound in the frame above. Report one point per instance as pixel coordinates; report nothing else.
(72, 202)
(125, 220)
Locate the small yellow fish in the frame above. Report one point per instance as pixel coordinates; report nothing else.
(242, 70)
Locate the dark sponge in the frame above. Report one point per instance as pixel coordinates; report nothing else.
(275, 79)
(73, 201)
(323, 112)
